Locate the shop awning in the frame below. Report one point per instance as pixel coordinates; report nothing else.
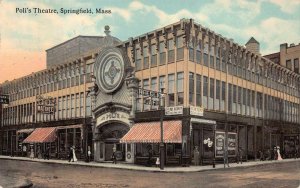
(42, 135)
(149, 132)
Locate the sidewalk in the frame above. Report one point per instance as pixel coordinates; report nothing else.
(150, 169)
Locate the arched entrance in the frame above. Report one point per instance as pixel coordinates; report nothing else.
(108, 137)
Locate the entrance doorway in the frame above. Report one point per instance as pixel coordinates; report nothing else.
(109, 136)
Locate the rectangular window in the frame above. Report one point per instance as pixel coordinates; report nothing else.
(296, 65)
(223, 96)
(153, 88)
(289, 64)
(146, 57)
(212, 88)
(153, 56)
(218, 88)
(191, 88)
(180, 82)
(162, 53)
(198, 53)
(153, 84)
(171, 55)
(171, 84)
(138, 61)
(205, 56)
(212, 57)
(205, 91)
(229, 97)
(146, 99)
(77, 105)
(198, 90)
(162, 83)
(180, 51)
(191, 51)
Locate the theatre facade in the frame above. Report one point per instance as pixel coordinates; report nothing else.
(205, 92)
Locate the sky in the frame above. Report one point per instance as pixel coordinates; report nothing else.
(24, 37)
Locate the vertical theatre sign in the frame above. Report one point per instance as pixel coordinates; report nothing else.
(231, 144)
(220, 144)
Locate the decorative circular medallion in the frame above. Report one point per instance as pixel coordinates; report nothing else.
(109, 69)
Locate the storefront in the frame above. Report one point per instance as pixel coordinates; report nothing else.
(39, 140)
(68, 136)
(145, 139)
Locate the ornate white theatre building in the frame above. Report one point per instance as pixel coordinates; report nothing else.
(104, 95)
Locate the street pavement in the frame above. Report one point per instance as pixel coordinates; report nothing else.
(57, 173)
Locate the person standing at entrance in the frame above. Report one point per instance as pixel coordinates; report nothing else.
(47, 153)
(113, 157)
(31, 153)
(89, 153)
(70, 154)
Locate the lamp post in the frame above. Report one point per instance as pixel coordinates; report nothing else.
(162, 146)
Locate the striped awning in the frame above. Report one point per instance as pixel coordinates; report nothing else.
(42, 135)
(149, 132)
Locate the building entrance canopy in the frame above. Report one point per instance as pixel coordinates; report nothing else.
(42, 135)
(149, 132)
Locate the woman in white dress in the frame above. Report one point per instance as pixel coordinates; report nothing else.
(279, 158)
(74, 155)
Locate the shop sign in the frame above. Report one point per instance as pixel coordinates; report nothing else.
(174, 110)
(219, 144)
(4, 99)
(232, 144)
(148, 93)
(117, 116)
(204, 121)
(45, 104)
(196, 111)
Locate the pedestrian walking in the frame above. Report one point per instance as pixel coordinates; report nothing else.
(226, 160)
(70, 156)
(279, 158)
(240, 156)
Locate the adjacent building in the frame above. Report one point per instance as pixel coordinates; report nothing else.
(287, 57)
(108, 99)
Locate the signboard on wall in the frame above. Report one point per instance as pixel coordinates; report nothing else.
(219, 144)
(174, 110)
(4, 99)
(196, 110)
(113, 116)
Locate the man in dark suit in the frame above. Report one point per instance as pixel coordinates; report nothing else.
(47, 153)
(70, 154)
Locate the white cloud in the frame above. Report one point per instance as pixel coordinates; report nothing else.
(288, 6)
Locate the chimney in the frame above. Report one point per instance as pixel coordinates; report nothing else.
(252, 45)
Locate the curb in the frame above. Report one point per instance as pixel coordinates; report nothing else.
(168, 170)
